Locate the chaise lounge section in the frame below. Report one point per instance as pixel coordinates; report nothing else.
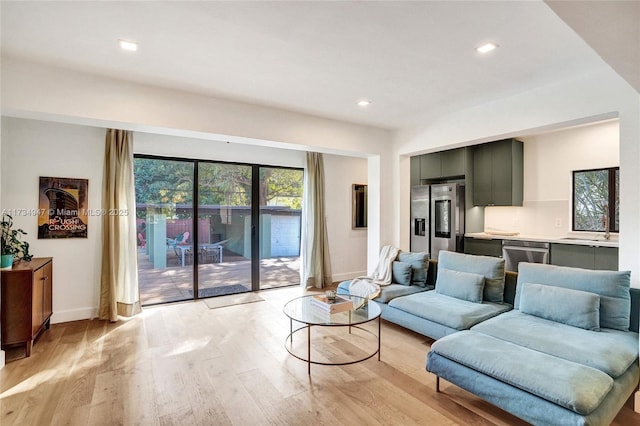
(566, 355)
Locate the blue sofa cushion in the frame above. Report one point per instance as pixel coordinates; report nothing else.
(387, 292)
(419, 264)
(610, 351)
(449, 311)
(574, 386)
(571, 307)
(461, 285)
(612, 286)
(492, 268)
(401, 273)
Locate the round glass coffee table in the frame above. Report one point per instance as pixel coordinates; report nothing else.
(303, 311)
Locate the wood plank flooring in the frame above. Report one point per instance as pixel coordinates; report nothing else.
(185, 364)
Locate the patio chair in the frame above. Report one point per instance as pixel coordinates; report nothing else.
(214, 252)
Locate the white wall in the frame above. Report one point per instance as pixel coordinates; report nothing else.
(583, 99)
(549, 159)
(33, 90)
(348, 247)
(35, 148)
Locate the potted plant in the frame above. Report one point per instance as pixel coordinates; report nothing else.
(12, 247)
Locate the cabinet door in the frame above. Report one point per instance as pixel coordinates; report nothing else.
(501, 173)
(453, 162)
(37, 301)
(47, 287)
(482, 175)
(415, 170)
(430, 166)
(606, 258)
(483, 247)
(573, 255)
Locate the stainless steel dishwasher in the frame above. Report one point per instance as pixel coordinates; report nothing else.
(514, 252)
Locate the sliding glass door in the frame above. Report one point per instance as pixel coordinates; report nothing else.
(164, 219)
(247, 235)
(224, 210)
(280, 226)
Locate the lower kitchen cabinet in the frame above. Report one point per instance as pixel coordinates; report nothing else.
(587, 257)
(483, 247)
(27, 291)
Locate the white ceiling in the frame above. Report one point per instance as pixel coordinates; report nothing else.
(414, 60)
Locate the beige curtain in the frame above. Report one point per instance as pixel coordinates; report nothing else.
(119, 294)
(316, 264)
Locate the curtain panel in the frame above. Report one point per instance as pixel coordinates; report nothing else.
(119, 293)
(316, 263)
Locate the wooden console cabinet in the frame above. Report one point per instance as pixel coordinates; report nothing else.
(26, 301)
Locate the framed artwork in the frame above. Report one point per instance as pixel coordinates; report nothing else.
(63, 210)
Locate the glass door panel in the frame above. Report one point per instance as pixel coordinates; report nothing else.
(280, 226)
(224, 229)
(164, 226)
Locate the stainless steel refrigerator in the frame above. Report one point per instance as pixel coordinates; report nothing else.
(437, 218)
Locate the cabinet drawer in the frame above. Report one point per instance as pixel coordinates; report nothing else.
(483, 247)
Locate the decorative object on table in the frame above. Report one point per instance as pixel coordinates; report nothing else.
(63, 211)
(13, 247)
(331, 295)
(338, 304)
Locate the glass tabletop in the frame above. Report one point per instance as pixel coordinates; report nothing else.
(304, 310)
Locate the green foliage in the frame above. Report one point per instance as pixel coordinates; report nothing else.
(12, 240)
(591, 189)
(168, 183)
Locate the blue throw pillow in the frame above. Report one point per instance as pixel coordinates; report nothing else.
(492, 268)
(419, 266)
(401, 273)
(572, 307)
(612, 286)
(461, 285)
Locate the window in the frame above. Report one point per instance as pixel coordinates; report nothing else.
(596, 198)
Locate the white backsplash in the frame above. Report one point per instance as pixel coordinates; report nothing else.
(540, 218)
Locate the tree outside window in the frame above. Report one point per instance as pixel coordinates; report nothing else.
(595, 197)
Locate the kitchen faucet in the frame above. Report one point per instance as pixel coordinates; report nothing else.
(605, 222)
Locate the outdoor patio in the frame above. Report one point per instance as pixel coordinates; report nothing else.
(233, 275)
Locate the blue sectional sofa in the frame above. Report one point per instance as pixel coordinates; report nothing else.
(566, 355)
(431, 303)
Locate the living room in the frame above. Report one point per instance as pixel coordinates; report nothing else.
(54, 118)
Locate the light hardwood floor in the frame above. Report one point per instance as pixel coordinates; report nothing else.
(185, 364)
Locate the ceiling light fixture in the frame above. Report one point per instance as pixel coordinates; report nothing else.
(128, 45)
(364, 103)
(486, 48)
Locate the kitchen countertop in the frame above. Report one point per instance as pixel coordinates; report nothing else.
(581, 241)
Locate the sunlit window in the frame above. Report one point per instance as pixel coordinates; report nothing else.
(596, 199)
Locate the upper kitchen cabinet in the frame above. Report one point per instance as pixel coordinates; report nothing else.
(498, 173)
(444, 164)
(415, 170)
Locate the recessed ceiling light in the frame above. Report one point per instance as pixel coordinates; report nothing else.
(364, 103)
(128, 45)
(486, 48)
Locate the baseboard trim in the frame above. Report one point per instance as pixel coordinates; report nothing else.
(1, 359)
(74, 315)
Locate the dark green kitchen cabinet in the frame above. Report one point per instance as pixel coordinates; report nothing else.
(498, 173)
(584, 256)
(483, 247)
(415, 170)
(444, 164)
(430, 167)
